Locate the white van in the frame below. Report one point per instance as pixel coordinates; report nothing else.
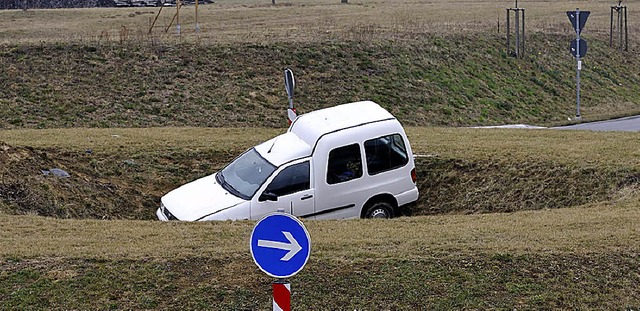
(348, 161)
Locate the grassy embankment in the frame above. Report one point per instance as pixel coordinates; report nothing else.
(428, 68)
(426, 62)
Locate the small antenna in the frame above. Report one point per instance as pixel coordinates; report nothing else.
(274, 143)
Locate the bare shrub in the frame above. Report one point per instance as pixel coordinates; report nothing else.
(124, 34)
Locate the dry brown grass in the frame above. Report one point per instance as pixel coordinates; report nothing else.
(139, 139)
(580, 148)
(602, 229)
(312, 20)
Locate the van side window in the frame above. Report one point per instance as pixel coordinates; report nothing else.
(290, 180)
(344, 164)
(385, 153)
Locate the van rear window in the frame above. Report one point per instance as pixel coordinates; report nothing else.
(385, 153)
(345, 163)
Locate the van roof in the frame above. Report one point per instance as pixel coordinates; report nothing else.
(284, 148)
(310, 126)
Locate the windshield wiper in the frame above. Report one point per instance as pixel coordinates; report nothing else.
(227, 186)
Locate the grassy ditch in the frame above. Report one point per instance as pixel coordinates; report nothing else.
(121, 173)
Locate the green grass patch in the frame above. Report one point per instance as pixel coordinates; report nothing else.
(423, 84)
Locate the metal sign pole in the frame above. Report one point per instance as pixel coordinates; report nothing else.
(578, 65)
(578, 117)
(578, 48)
(290, 85)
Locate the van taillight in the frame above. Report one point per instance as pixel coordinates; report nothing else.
(414, 177)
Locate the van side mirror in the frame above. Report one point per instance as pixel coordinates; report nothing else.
(268, 196)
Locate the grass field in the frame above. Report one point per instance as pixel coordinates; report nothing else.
(507, 219)
(576, 258)
(236, 21)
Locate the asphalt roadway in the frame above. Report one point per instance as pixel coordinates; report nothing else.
(628, 124)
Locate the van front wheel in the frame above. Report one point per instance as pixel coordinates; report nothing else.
(379, 210)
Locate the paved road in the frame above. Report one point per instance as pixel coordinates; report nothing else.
(630, 124)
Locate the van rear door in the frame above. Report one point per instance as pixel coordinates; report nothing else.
(340, 182)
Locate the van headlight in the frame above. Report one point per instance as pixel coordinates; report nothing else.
(166, 212)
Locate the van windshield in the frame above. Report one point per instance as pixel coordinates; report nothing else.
(246, 174)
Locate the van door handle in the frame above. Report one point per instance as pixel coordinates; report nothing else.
(307, 196)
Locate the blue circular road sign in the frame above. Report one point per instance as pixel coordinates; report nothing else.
(280, 245)
(573, 48)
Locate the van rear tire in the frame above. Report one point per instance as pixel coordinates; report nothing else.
(379, 209)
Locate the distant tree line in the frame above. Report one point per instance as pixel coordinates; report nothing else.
(58, 4)
(156, 2)
(53, 4)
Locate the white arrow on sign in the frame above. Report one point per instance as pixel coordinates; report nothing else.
(293, 246)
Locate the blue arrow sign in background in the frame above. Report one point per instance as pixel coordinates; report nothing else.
(280, 245)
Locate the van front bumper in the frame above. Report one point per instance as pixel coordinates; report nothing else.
(160, 215)
(163, 214)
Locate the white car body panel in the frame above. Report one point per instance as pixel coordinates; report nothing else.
(284, 148)
(200, 198)
(300, 203)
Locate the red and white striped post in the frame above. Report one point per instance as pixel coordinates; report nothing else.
(281, 295)
(292, 114)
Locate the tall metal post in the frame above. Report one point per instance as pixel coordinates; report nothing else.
(197, 24)
(178, 16)
(611, 28)
(517, 20)
(626, 32)
(523, 36)
(508, 31)
(578, 67)
(620, 28)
